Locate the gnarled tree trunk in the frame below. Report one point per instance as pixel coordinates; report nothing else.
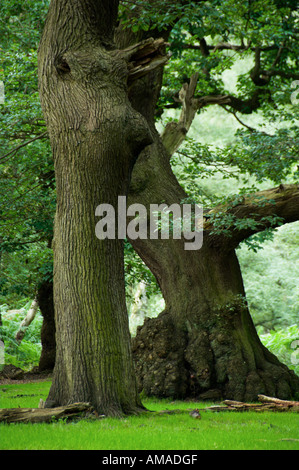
(96, 137)
(204, 344)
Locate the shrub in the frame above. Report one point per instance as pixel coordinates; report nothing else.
(284, 343)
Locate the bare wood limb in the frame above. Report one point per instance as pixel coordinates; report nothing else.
(144, 57)
(268, 404)
(27, 320)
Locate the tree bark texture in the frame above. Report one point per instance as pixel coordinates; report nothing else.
(204, 344)
(95, 137)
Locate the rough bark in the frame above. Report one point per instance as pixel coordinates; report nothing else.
(95, 137)
(204, 344)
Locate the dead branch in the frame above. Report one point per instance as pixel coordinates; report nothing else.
(267, 404)
(281, 202)
(144, 57)
(27, 320)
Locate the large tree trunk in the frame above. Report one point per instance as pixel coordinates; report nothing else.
(96, 137)
(204, 343)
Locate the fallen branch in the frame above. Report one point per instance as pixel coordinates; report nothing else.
(268, 404)
(264, 398)
(46, 415)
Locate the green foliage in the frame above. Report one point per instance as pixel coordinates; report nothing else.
(136, 270)
(22, 22)
(284, 344)
(271, 279)
(26, 354)
(27, 186)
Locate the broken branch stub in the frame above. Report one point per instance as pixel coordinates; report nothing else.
(144, 57)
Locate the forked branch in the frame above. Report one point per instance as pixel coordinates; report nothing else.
(175, 132)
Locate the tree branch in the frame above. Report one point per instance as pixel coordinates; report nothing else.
(174, 133)
(222, 46)
(281, 202)
(18, 147)
(280, 73)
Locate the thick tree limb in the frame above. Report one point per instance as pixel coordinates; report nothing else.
(281, 202)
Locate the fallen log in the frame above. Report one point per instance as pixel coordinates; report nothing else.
(46, 415)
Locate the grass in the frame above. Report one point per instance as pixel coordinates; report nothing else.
(214, 431)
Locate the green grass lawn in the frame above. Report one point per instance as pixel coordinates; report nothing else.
(222, 430)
